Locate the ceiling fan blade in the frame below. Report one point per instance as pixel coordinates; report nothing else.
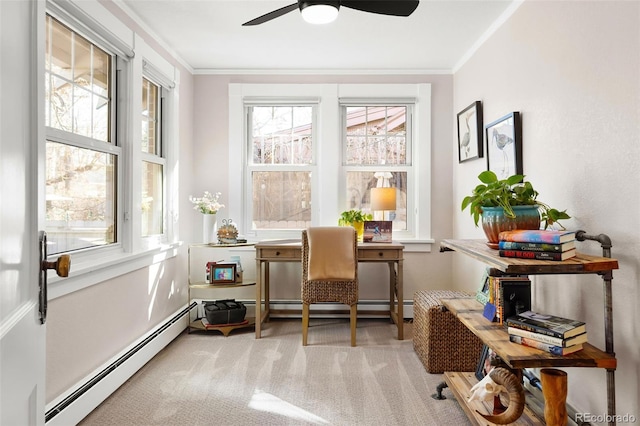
(271, 15)
(383, 7)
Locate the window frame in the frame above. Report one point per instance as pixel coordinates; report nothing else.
(111, 146)
(407, 168)
(251, 167)
(134, 58)
(329, 161)
(159, 158)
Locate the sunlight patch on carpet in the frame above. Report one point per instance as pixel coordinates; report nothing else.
(263, 401)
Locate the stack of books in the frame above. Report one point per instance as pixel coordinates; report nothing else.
(509, 295)
(553, 334)
(537, 244)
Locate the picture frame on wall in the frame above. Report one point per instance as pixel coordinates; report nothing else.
(470, 132)
(504, 145)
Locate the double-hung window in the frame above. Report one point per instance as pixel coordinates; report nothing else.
(82, 157)
(153, 162)
(377, 153)
(304, 163)
(279, 165)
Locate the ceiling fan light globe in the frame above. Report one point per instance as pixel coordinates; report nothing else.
(319, 13)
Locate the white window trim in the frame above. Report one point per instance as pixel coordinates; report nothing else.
(329, 117)
(132, 251)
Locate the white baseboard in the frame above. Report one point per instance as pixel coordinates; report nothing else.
(75, 404)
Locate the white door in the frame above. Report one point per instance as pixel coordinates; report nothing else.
(22, 336)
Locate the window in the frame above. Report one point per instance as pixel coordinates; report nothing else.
(312, 151)
(377, 153)
(152, 161)
(281, 154)
(81, 156)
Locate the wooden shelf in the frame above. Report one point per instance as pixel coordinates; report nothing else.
(469, 312)
(581, 264)
(224, 329)
(460, 384)
(216, 286)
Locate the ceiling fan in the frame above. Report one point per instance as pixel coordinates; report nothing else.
(325, 11)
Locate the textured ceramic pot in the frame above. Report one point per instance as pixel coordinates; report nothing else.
(495, 221)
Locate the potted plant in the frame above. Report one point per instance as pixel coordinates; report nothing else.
(355, 218)
(509, 203)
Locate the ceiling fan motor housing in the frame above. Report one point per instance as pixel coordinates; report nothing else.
(302, 4)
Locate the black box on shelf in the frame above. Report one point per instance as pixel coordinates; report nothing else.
(226, 311)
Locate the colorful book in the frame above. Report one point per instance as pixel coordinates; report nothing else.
(552, 349)
(555, 341)
(538, 255)
(537, 236)
(544, 247)
(550, 325)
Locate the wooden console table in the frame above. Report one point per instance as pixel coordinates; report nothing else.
(291, 251)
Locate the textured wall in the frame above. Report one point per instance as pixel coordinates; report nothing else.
(572, 69)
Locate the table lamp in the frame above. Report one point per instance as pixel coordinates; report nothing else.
(383, 199)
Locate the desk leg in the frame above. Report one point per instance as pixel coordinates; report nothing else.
(396, 293)
(267, 302)
(400, 290)
(258, 298)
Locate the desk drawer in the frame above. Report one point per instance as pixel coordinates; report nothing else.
(379, 254)
(280, 253)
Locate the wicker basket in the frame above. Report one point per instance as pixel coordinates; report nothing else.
(440, 340)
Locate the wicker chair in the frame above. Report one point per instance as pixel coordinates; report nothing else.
(329, 271)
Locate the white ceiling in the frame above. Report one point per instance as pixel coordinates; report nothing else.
(208, 35)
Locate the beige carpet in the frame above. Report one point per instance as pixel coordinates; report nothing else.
(209, 379)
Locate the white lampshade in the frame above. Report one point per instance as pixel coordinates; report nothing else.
(383, 199)
(319, 13)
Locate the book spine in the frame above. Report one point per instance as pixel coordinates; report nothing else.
(539, 255)
(544, 247)
(513, 322)
(552, 349)
(530, 237)
(556, 341)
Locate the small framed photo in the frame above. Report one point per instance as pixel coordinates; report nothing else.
(504, 146)
(222, 273)
(487, 362)
(377, 231)
(470, 132)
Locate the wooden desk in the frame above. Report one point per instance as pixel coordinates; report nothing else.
(291, 251)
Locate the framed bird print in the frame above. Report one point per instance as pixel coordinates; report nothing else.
(470, 132)
(504, 145)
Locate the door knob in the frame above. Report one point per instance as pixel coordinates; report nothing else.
(61, 265)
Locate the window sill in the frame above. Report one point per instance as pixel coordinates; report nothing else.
(89, 272)
(416, 246)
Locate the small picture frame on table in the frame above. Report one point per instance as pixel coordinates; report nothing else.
(504, 145)
(470, 132)
(222, 273)
(378, 231)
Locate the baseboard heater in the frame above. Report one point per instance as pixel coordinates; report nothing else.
(83, 389)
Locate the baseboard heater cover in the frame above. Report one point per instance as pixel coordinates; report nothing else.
(83, 389)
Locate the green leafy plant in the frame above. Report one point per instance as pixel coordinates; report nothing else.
(350, 216)
(506, 193)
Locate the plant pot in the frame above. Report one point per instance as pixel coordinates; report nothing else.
(494, 221)
(358, 226)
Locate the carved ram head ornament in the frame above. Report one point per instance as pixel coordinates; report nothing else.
(501, 380)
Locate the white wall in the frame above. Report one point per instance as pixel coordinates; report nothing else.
(573, 71)
(87, 328)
